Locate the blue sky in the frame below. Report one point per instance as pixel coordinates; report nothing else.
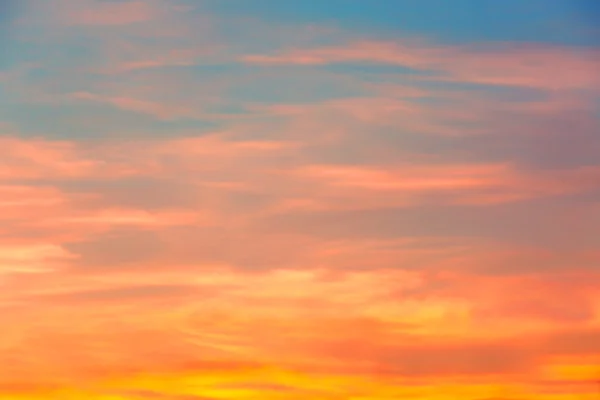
(549, 21)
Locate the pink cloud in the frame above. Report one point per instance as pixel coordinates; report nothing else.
(155, 109)
(539, 67)
(92, 12)
(467, 184)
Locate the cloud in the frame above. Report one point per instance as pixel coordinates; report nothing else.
(530, 66)
(332, 334)
(109, 13)
(479, 184)
(31, 258)
(136, 105)
(127, 293)
(92, 13)
(200, 206)
(523, 222)
(38, 158)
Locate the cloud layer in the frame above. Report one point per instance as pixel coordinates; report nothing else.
(292, 212)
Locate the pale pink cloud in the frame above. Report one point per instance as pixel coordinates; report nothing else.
(121, 56)
(18, 197)
(101, 13)
(174, 58)
(123, 36)
(468, 184)
(135, 217)
(529, 66)
(155, 109)
(28, 159)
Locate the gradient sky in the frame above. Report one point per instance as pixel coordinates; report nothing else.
(300, 200)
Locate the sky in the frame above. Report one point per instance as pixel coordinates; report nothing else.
(299, 200)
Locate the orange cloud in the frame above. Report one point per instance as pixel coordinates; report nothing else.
(32, 159)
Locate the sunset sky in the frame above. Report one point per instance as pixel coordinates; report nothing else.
(299, 200)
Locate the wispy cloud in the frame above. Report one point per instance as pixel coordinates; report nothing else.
(530, 66)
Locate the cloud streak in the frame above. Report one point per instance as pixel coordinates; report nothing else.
(529, 66)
